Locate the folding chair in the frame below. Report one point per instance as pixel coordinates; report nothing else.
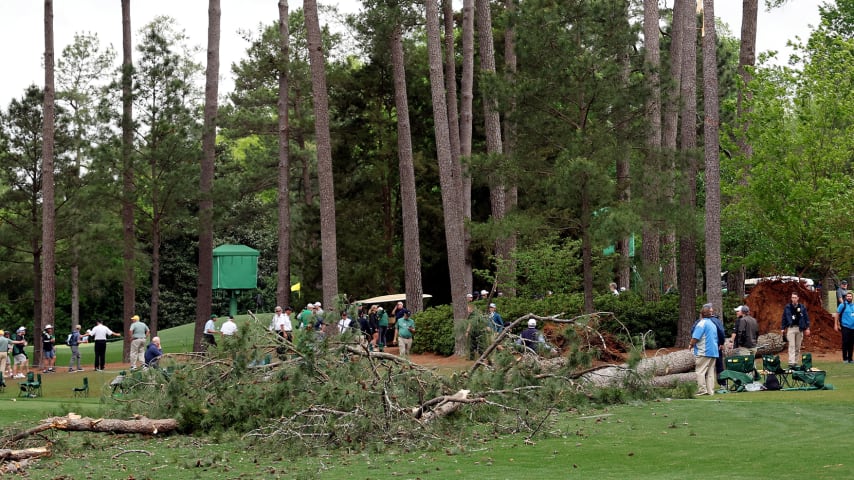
(739, 371)
(771, 366)
(37, 385)
(117, 383)
(84, 390)
(27, 388)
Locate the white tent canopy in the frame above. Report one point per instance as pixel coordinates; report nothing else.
(396, 297)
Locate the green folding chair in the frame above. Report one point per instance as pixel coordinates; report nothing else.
(84, 390)
(739, 371)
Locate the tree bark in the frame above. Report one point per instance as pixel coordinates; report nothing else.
(283, 251)
(204, 293)
(128, 187)
(103, 425)
(688, 199)
(711, 144)
(408, 195)
(449, 174)
(652, 161)
(48, 277)
(466, 125)
(328, 244)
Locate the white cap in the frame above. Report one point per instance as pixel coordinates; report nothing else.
(48, 326)
(532, 323)
(468, 295)
(484, 292)
(491, 305)
(317, 304)
(379, 308)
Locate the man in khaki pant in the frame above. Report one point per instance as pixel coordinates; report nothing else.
(5, 343)
(139, 333)
(794, 326)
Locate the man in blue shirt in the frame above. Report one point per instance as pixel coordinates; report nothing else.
(704, 345)
(845, 319)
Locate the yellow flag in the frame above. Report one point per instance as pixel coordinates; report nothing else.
(296, 287)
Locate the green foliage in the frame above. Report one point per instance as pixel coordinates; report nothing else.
(435, 327)
(635, 317)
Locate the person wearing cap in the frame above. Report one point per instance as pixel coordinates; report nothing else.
(305, 317)
(48, 350)
(844, 320)
(20, 365)
(74, 341)
(397, 312)
(495, 320)
(706, 349)
(794, 325)
(405, 327)
(484, 294)
(99, 334)
(138, 332)
(210, 331)
(746, 331)
(5, 344)
(469, 297)
(841, 292)
(532, 339)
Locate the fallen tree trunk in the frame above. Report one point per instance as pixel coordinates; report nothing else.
(105, 425)
(23, 454)
(673, 379)
(679, 361)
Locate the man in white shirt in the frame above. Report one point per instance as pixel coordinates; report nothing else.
(228, 328)
(282, 322)
(210, 330)
(344, 323)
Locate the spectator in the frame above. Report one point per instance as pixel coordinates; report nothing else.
(5, 344)
(532, 339)
(210, 331)
(382, 321)
(228, 328)
(614, 290)
(100, 333)
(20, 367)
(495, 320)
(746, 331)
(844, 320)
(794, 326)
(48, 349)
(405, 330)
(74, 341)
(345, 323)
(153, 353)
(139, 333)
(704, 345)
(841, 292)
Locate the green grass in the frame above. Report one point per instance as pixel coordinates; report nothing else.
(781, 435)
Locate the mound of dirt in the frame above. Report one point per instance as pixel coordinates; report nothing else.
(767, 300)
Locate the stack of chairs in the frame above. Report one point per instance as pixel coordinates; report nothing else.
(739, 372)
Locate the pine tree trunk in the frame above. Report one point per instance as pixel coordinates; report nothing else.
(326, 184)
(688, 199)
(466, 125)
(651, 230)
(283, 251)
(408, 195)
(204, 293)
(128, 188)
(711, 143)
(449, 175)
(48, 277)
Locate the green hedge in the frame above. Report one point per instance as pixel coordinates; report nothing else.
(436, 330)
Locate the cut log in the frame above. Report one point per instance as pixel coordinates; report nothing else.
(106, 425)
(679, 361)
(7, 455)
